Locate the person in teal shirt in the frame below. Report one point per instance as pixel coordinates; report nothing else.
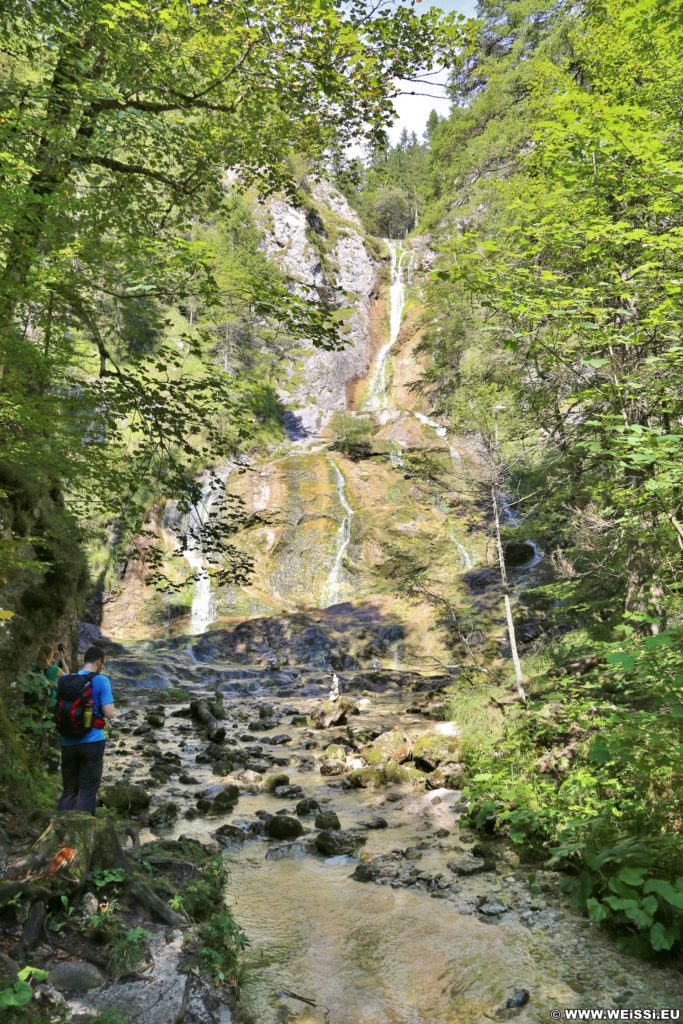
(47, 663)
(83, 758)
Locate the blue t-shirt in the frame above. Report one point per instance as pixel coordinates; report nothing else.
(101, 695)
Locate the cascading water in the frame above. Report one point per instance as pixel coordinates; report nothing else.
(466, 559)
(401, 267)
(203, 599)
(331, 592)
(511, 517)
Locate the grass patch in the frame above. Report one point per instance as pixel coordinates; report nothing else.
(479, 721)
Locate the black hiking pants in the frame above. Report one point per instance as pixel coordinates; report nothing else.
(81, 776)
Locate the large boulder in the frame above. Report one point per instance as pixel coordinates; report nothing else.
(434, 749)
(307, 806)
(336, 843)
(393, 746)
(164, 814)
(467, 865)
(230, 835)
(219, 799)
(125, 797)
(375, 778)
(282, 826)
(332, 712)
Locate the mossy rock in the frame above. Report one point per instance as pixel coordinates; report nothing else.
(335, 752)
(372, 756)
(173, 695)
(431, 750)
(327, 820)
(125, 797)
(282, 826)
(390, 746)
(273, 781)
(376, 778)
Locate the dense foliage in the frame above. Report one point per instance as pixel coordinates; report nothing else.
(126, 264)
(555, 319)
(554, 195)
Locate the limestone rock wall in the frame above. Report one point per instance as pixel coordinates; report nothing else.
(323, 249)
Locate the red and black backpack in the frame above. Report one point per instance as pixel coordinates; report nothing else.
(75, 712)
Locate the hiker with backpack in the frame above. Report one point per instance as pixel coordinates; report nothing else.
(84, 704)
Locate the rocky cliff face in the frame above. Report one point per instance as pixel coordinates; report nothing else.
(323, 249)
(357, 505)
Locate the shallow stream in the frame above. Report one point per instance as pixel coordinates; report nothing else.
(418, 943)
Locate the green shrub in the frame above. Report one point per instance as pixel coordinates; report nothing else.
(353, 436)
(590, 775)
(220, 945)
(126, 950)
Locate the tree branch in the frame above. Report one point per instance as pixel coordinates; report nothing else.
(182, 102)
(120, 167)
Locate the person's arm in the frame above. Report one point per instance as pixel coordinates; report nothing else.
(106, 699)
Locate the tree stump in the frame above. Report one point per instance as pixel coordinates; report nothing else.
(61, 858)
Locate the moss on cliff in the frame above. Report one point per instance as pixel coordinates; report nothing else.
(44, 586)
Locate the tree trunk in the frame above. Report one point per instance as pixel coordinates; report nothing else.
(201, 712)
(54, 166)
(519, 677)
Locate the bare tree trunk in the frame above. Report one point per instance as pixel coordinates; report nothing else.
(519, 677)
(202, 713)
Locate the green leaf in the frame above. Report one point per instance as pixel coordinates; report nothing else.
(617, 903)
(596, 911)
(666, 891)
(32, 972)
(20, 994)
(661, 938)
(632, 876)
(640, 917)
(626, 661)
(659, 640)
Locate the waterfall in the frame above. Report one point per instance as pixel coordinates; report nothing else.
(401, 266)
(466, 560)
(203, 599)
(332, 587)
(512, 518)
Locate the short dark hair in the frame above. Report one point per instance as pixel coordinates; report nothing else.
(93, 653)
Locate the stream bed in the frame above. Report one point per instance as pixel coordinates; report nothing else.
(421, 923)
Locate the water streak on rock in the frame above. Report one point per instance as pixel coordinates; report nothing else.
(401, 270)
(203, 600)
(331, 593)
